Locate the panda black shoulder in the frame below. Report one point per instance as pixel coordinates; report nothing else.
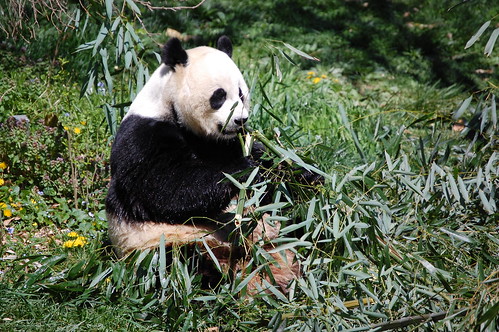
(139, 136)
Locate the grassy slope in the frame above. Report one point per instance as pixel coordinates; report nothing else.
(372, 234)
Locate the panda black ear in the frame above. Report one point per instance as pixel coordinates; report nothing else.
(173, 54)
(225, 45)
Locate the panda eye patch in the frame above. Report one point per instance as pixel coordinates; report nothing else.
(217, 99)
(241, 96)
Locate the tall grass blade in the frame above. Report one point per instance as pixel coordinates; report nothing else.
(347, 125)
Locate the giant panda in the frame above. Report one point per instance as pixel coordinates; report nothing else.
(169, 157)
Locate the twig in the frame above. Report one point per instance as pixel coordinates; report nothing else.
(406, 321)
(149, 6)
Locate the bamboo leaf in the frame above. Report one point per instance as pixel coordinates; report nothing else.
(246, 280)
(359, 275)
(489, 315)
(414, 187)
(212, 255)
(485, 120)
(128, 59)
(109, 8)
(107, 74)
(464, 106)
(293, 227)
(162, 261)
(336, 226)
(486, 204)
(234, 181)
(463, 190)
(457, 236)
(291, 245)
(477, 35)
(273, 289)
(119, 43)
(133, 6)
(491, 42)
(453, 187)
(100, 38)
(300, 53)
(272, 207)
(493, 112)
(389, 161)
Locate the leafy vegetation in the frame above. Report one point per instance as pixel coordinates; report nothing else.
(403, 232)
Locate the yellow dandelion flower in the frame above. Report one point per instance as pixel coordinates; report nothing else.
(83, 123)
(7, 213)
(73, 234)
(77, 130)
(323, 76)
(80, 241)
(3, 205)
(3, 165)
(66, 128)
(316, 80)
(2, 182)
(35, 224)
(311, 73)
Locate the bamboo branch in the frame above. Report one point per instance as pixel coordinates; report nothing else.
(406, 321)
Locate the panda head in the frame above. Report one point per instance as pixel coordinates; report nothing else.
(202, 89)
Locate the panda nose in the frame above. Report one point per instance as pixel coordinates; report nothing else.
(240, 121)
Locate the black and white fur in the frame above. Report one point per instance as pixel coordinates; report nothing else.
(174, 145)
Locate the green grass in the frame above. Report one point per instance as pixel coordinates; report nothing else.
(405, 224)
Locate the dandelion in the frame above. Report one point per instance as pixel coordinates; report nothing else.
(3, 165)
(323, 76)
(316, 80)
(79, 241)
(7, 213)
(77, 130)
(311, 73)
(66, 128)
(83, 123)
(2, 182)
(73, 234)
